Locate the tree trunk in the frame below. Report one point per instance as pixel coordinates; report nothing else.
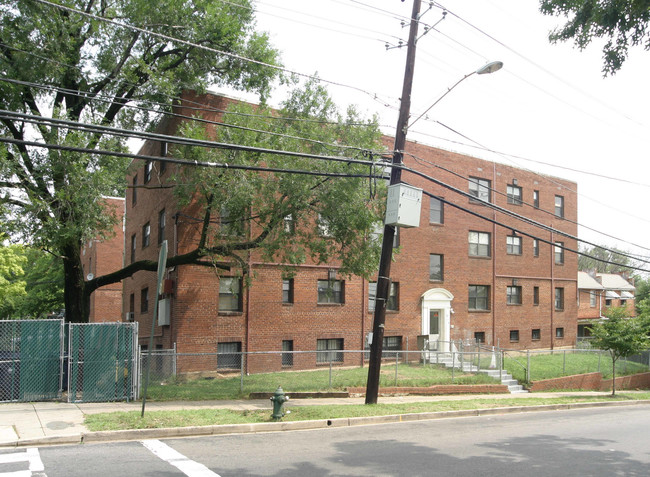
(77, 302)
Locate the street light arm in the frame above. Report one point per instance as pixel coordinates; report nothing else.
(484, 70)
(440, 98)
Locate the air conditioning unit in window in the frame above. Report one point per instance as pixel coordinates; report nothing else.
(129, 316)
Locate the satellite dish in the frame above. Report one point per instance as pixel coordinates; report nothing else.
(90, 276)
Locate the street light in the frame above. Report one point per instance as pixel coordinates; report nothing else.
(483, 70)
(383, 277)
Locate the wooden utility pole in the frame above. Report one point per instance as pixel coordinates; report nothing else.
(383, 278)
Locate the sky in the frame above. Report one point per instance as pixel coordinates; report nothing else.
(549, 109)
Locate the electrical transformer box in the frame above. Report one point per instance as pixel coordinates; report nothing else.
(403, 205)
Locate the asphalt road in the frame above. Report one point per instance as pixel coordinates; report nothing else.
(586, 442)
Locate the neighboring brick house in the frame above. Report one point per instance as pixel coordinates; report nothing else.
(457, 276)
(597, 291)
(99, 257)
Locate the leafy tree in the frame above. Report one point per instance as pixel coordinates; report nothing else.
(31, 283)
(621, 335)
(286, 217)
(12, 283)
(603, 260)
(87, 68)
(623, 23)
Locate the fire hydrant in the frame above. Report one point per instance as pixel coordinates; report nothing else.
(278, 400)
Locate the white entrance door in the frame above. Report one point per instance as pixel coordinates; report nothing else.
(436, 317)
(435, 326)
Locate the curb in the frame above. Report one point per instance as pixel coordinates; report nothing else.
(171, 432)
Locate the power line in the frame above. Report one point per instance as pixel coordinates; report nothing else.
(374, 96)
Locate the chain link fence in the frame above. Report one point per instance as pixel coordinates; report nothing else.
(246, 372)
(31, 360)
(102, 362)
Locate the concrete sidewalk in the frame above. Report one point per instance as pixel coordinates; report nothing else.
(48, 423)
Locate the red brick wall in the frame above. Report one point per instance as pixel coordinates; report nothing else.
(102, 256)
(593, 381)
(197, 325)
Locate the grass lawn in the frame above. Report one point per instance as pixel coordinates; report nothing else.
(560, 363)
(199, 389)
(205, 417)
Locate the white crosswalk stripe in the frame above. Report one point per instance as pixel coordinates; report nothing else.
(178, 460)
(31, 456)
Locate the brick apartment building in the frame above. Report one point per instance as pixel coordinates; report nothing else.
(597, 291)
(492, 278)
(99, 257)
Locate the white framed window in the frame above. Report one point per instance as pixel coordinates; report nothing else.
(513, 295)
(230, 296)
(331, 291)
(480, 188)
(513, 194)
(436, 211)
(329, 350)
(479, 244)
(559, 206)
(479, 297)
(559, 253)
(513, 245)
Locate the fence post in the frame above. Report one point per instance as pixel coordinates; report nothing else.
(564, 362)
(396, 365)
(528, 366)
(478, 367)
(500, 365)
(453, 365)
(241, 371)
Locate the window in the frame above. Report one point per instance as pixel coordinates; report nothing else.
(392, 304)
(535, 295)
(536, 247)
(229, 355)
(436, 215)
(479, 336)
(287, 353)
(146, 235)
(436, 267)
(331, 291)
(513, 194)
(559, 298)
(134, 246)
(479, 244)
(559, 332)
(230, 297)
(148, 168)
(287, 290)
(514, 335)
(513, 295)
(513, 245)
(329, 350)
(592, 299)
(289, 224)
(144, 300)
(323, 226)
(392, 343)
(559, 253)
(536, 335)
(229, 225)
(559, 206)
(479, 297)
(393, 297)
(161, 226)
(479, 188)
(134, 196)
(536, 199)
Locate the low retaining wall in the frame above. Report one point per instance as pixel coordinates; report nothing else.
(439, 389)
(591, 381)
